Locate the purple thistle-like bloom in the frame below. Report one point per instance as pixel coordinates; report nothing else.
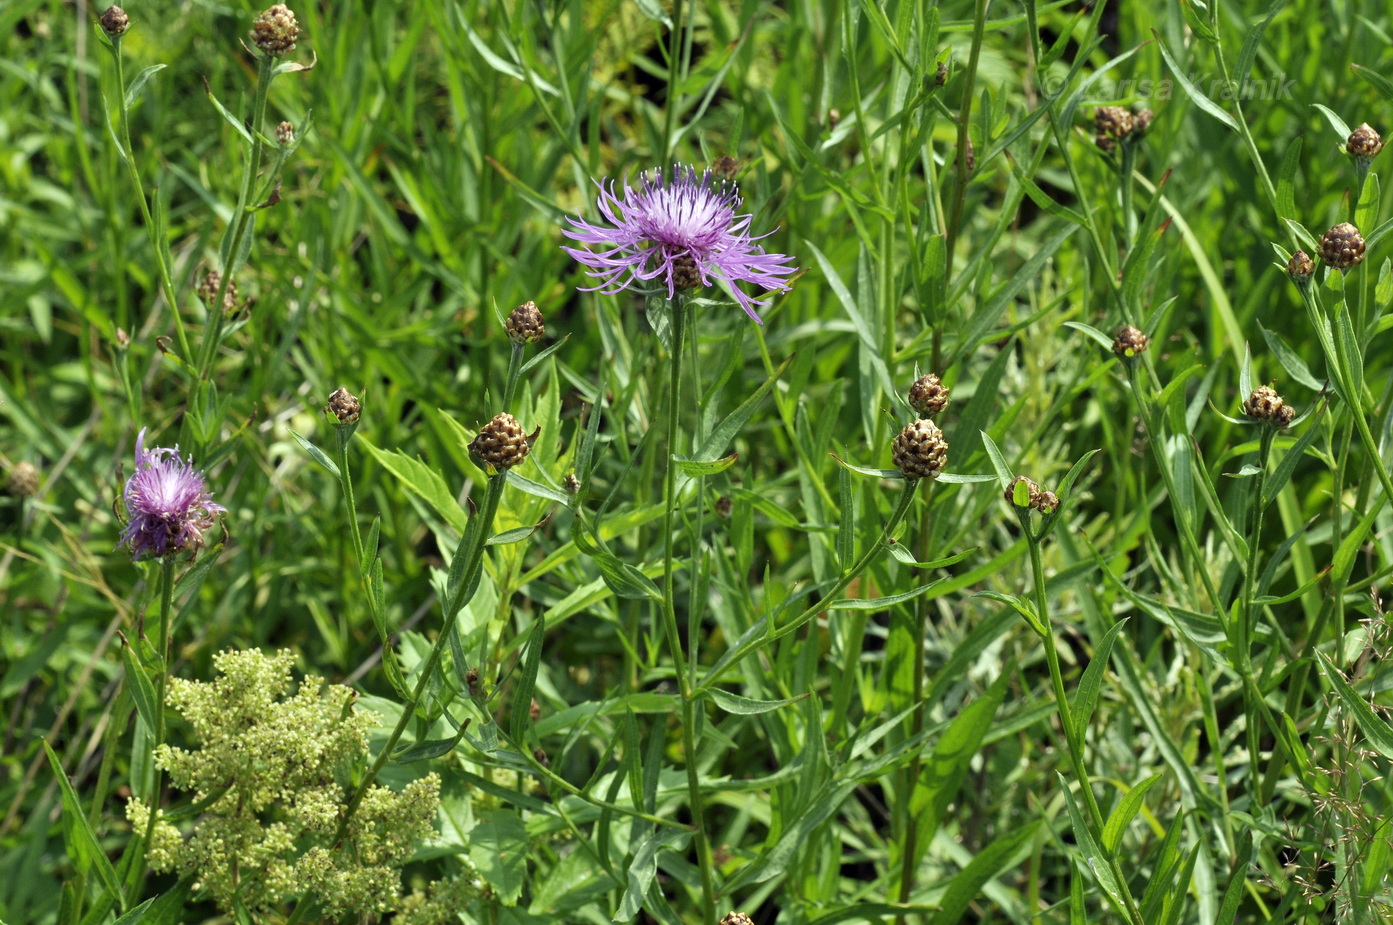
(168, 504)
(682, 230)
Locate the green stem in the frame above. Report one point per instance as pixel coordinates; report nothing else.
(979, 24)
(514, 371)
(1246, 624)
(776, 631)
(669, 613)
(241, 219)
(128, 155)
(1073, 736)
(157, 734)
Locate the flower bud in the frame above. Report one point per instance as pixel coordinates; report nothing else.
(737, 918)
(1031, 493)
(941, 74)
(1046, 502)
(1111, 123)
(501, 444)
(928, 395)
(571, 483)
(1363, 143)
(1301, 267)
(345, 406)
(23, 480)
(525, 324)
(285, 134)
(919, 451)
(1129, 342)
(275, 31)
(208, 291)
(1265, 406)
(1342, 246)
(115, 21)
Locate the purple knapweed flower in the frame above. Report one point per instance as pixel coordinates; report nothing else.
(680, 229)
(168, 504)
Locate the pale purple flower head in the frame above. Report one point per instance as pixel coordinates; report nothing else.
(168, 504)
(682, 230)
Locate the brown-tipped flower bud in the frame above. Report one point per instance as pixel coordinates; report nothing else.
(571, 483)
(919, 451)
(1301, 267)
(1022, 492)
(541, 755)
(208, 291)
(1363, 143)
(726, 167)
(1266, 406)
(928, 395)
(1141, 121)
(534, 710)
(1046, 502)
(344, 406)
(737, 918)
(23, 480)
(941, 74)
(285, 134)
(1130, 341)
(501, 444)
(970, 157)
(275, 31)
(1342, 246)
(471, 681)
(1112, 122)
(123, 339)
(525, 324)
(723, 506)
(115, 21)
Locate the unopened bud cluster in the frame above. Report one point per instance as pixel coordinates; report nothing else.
(344, 406)
(1112, 124)
(275, 31)
(1046, 502)
(1265, 406)
(919, 450)
(1342, 247)
(1363, 143)
(1301, 267)
(208, 291)
(501, 443)
(525, 325)
(285, 134)
(725, 167)
(737, 918)
(928, 395)
(1130, 342)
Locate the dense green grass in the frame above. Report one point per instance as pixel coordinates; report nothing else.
(1210, 662)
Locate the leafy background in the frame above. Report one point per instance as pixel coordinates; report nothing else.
(448, 142)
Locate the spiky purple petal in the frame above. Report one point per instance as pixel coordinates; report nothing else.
(668, 221)
(168, 504)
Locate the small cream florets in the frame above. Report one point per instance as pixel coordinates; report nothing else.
(270, 766)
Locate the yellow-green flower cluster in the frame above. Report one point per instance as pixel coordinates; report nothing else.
(274, 766)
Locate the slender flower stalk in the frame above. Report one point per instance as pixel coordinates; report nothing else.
(681, 230)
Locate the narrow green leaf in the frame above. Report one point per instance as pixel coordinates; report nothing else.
(867, 470)
(423, 481)
(1003, 471)
(142, 691)
(1086, 695)
(1335, 121)
(1020, 606)
(317, 455)
(229, 117)
(1091, 857)
(704, 467)
(1125, 811)
(1290, 360)
(1202, 101)
(82, 842)
(901, 553)
(724, 432)
(879, 603)
(1376, 80)
(745, 706)
(138, 83)
(969, 881)
(1376, 729)
(536, 489)
(1286, 179)
(527, 682)
(846, 538)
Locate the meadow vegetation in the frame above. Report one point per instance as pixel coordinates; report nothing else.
(964, 498)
